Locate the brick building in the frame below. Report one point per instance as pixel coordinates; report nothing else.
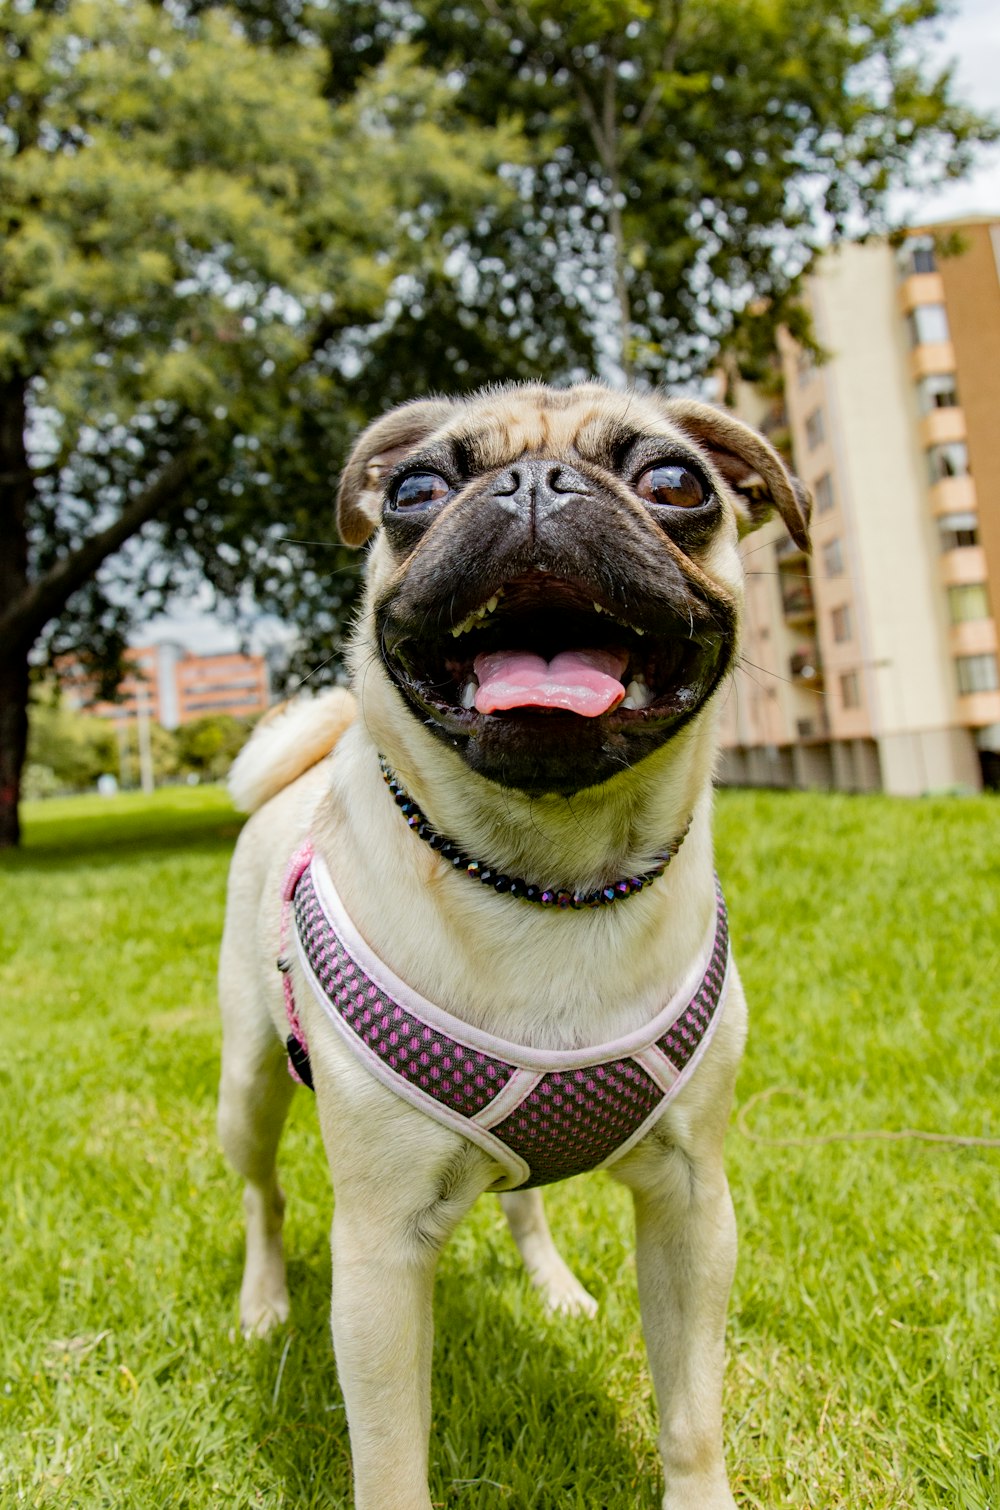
(174, 686)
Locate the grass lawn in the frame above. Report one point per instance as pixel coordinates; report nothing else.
(863, 1349)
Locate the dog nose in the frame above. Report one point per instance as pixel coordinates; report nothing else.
(537, 488)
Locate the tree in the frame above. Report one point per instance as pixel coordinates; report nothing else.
(194, 240)
(229, 236)
(688, 159)
(67, 750)
(209, 745)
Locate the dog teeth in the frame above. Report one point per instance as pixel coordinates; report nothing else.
(636, 694)
(634, 628)
(469, 693)
(477, 615)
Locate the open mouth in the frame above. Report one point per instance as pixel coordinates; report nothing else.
(542, 674)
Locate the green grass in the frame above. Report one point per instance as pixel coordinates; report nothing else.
(863, 1337)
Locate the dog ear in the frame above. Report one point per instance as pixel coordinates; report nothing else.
(377, 449)
(755, 472)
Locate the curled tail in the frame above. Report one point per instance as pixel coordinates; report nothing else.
(287, 741)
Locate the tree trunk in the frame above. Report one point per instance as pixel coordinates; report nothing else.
(16, 483)
(26, 606)
(13, 742)
(622, 296)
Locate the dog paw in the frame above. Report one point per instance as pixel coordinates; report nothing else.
(563, 1294)
(719, 1502)
(700, 1495)
(259, 1315)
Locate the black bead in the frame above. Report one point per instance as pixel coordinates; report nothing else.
(514, 885)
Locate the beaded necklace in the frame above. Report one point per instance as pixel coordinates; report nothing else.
(514, 886)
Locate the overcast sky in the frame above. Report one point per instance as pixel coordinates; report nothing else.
(972, 38)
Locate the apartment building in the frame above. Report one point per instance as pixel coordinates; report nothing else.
(873, 663)
(172, 686)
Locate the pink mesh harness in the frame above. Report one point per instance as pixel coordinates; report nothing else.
(542, 1115)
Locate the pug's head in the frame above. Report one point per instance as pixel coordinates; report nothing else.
(554, 588)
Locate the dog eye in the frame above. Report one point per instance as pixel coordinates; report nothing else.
(672, 486)
(418, 491)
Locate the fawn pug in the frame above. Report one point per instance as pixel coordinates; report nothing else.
(485, 875)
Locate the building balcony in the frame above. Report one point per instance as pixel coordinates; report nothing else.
(776, 419)
(920, 288)
(940, 426)
(975, 637)
(964, 564)
(977, 710)
(930, 358)
(953, 495)
(786, 549)
(804, 667)
(797, 604)
(813, 730)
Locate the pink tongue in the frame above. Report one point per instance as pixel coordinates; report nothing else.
(580, 681)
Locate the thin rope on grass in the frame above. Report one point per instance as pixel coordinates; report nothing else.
(868, 1135)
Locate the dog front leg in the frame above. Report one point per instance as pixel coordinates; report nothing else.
(401, 1185)
(383, 1332)
(686, 1256)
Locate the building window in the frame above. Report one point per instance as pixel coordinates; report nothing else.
(815, 429)
(841, 620)
(977, 673)
(833, 559)
(850, 690)
(804, 367)
(823, 490)
(939, 391)
(968, 602)
(916, 255)
(958, 530)
(948, 460)
(928, 325)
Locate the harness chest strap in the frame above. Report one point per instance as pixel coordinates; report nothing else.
(542, 1115)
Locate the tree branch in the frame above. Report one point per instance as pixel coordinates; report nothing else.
(25, 618)
(668, 62)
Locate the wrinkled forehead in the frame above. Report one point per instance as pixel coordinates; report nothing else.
(586, 423)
